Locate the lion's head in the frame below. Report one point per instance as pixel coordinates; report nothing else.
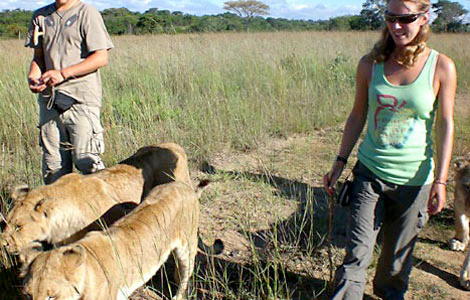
(57, 275)
(462, 177)
(27, 222)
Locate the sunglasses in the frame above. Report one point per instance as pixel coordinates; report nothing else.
(402, 19)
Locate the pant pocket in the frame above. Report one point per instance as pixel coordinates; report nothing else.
(423, 218)
(96, 144)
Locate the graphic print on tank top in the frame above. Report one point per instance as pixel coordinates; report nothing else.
(393, 122)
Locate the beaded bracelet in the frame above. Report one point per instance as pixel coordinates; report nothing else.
(440, 182)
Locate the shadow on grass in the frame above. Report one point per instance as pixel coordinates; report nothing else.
(445, 218)
(304, 232)
(256, 279)
(449, 278)
(218, 278)
(440, 244)
(310, 221)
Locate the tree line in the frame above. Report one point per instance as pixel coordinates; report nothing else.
(450, 17)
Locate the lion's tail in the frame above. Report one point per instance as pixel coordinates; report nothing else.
(216, 248)
(201, 186)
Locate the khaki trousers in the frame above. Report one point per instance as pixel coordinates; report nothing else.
(73, 137)
(400, 212)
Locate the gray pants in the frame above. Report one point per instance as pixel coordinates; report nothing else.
(401, 212)
(75, 136)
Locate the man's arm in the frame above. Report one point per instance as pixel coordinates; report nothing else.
(92, 63)
(36, 85)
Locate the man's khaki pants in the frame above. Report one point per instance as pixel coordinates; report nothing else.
(73, 137)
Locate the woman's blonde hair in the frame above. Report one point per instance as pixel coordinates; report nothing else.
(384, 48)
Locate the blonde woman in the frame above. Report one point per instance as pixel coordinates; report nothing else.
(401, 87)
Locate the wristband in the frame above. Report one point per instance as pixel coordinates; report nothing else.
(440, 182)
(344, 160)
(62, 74)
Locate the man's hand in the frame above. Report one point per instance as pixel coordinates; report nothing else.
(437, 198)
(52, 77)
(36, 85)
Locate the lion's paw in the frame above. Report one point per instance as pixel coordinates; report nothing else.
(456, 245)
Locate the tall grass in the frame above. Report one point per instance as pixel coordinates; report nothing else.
(204, 91)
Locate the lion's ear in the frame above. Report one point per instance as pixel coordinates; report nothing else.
(39, 207)
(20, 192)
(459, 163)
(75, 254)
(27, 256)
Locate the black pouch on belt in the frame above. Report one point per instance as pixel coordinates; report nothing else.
(63, 102)
(345, 193)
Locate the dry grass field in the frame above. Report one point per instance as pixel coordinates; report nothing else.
(259, 114)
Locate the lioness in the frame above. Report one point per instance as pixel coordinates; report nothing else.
(462, 215)
(111, 264)
(461, 206)
(55, 212)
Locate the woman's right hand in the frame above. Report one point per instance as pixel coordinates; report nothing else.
(330, 178)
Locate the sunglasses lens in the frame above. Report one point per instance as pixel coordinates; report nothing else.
(404, 19)
(408, 19)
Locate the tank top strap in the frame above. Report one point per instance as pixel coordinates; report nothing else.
(426, 77)
(377, 73)
(433, 56)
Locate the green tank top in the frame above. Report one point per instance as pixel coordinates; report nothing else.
(397, 146)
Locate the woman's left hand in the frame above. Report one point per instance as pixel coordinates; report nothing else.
(437, 198)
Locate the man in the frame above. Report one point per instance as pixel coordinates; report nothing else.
(70, 44)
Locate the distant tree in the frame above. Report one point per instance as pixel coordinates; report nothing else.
(247, 9)
(14, 23)
(372, 13)
(280, 23)
(120, 20)
(16, 30)
(160, 21)
(450, 16)
(342, 23)
(355, 22)
(149, 23)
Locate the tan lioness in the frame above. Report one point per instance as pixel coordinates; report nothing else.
(461, 205)
(111, 264)
(462, 215)
(55, 212)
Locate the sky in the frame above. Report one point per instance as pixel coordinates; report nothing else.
(290, 9)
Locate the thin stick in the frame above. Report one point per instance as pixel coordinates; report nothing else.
(331, 200)
(2, 218)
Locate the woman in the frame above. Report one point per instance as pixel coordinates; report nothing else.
(401, 85)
